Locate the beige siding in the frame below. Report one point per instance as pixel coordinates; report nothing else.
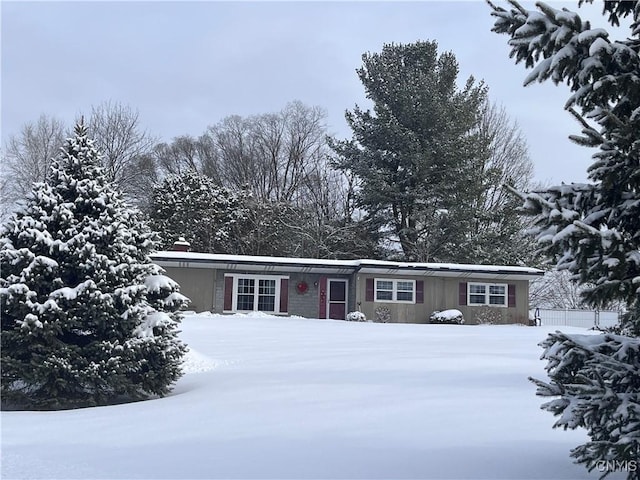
(196, 283)
(442, 294)
(400, 312)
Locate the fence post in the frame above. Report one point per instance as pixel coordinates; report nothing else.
(596, 318)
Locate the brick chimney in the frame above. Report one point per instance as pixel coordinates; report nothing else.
(181, 245)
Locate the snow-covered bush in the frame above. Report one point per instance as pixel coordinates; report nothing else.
(450, 317)
(194, 206)
(383, 314)
(87, 319)
(356, 317)
(595, 384)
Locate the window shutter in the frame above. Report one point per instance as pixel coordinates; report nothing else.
(419, 291)
(322, 297)
(228, 293)
(284, 295)
(369, 290)
(462, 293)
(512, 295)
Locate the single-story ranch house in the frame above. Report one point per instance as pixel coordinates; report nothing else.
(315, 288)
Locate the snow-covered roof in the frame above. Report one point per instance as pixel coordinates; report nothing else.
(313, 265)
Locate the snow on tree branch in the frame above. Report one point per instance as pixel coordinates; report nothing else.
(604, 76)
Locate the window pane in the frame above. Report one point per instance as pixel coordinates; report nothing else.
(246, 285)
(475, 288)
(405, 296)
(266, 303)
(266, 295)
(266, 287)
(384, 290)
(337, 291)
(245, 302)
(404, 291)
(496, 289)
(476, 299)
(246, 288)
(496, 300)
(384, 295)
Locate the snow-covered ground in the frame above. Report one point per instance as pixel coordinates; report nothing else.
(270, 397)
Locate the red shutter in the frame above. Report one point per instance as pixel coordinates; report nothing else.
(284, 295)
(369, 290)
(419, 291)
(322, 297)
(228, 293)
(462, 293)
(512, 295)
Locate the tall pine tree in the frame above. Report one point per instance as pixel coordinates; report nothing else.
(87, 319)
(418, 154)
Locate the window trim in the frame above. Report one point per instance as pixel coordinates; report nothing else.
(487, 295)
(256, 292)
(394, 290)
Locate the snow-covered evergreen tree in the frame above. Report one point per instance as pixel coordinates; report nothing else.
(193, 206)
(418, 153)
(87, 319)
(595, 385)
(592, 230)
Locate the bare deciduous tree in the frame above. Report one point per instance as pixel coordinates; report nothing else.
(273, 154)
(27, 157)
(508, 160)
(186, 153)
(126, 153)
(505, 161)
(125, 147)
(555, 290)
(280, 160)
(233, 142)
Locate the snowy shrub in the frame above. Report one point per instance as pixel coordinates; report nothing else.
(595, 384)
(87, 319)
(487, 316)
(356, 317)
(193, 205)
(450, 317)
(383, 315)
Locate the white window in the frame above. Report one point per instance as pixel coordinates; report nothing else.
(493, 294)
(256, 293)
(389, 290)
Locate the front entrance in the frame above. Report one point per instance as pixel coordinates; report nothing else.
(337, 299)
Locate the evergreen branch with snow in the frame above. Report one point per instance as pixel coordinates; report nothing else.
(595, 384)
(592, 229)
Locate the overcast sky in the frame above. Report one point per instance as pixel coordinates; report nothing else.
(187, 65)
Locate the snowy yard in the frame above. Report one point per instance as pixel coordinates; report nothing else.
(268, 397)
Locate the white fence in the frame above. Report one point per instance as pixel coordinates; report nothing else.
(576, 318)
